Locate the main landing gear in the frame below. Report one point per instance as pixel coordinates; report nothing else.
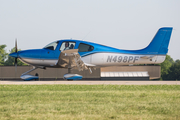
(70, 76)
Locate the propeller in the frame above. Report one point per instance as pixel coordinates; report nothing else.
(15, 55)
(16, 52)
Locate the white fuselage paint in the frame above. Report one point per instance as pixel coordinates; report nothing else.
(103, 59)
(113, 59)
(40, 62)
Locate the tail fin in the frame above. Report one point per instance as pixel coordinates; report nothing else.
(160, 42)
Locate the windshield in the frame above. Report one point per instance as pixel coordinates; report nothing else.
(51, 46)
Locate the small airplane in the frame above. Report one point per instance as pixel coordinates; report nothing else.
(82, 55)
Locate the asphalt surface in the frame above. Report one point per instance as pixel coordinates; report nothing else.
(90, 82)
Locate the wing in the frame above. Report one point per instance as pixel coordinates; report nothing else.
(71, 59)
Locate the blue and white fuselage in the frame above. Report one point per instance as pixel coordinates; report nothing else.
(96, 55)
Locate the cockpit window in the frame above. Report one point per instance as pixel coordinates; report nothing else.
(51, 46)
(85, 48)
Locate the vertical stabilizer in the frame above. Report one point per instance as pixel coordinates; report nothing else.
(159, 44)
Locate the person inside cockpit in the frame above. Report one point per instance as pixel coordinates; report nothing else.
(66, 46)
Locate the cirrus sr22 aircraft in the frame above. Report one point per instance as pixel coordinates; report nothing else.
(82, 55)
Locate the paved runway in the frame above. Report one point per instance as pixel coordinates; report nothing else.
(90, 82)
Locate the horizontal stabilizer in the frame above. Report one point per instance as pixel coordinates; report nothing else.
(148, 57)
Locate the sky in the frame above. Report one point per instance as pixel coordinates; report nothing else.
(123, 24)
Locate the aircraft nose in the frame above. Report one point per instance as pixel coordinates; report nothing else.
(15, 55)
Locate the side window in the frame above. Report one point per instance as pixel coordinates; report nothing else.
(85, 48)
(67, 45)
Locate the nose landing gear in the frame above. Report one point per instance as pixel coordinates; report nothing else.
(27, 77)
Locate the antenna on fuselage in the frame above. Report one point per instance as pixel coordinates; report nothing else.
(86, 35)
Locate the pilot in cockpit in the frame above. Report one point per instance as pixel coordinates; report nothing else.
(66, 46)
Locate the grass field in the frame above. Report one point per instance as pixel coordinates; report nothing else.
(89, 102)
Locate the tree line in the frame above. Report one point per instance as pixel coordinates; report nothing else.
(170, 69)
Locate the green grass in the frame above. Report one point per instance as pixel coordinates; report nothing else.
(89, 102)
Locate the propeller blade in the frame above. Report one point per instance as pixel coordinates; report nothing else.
(15, 64)
(16, 45)
(15, 61)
